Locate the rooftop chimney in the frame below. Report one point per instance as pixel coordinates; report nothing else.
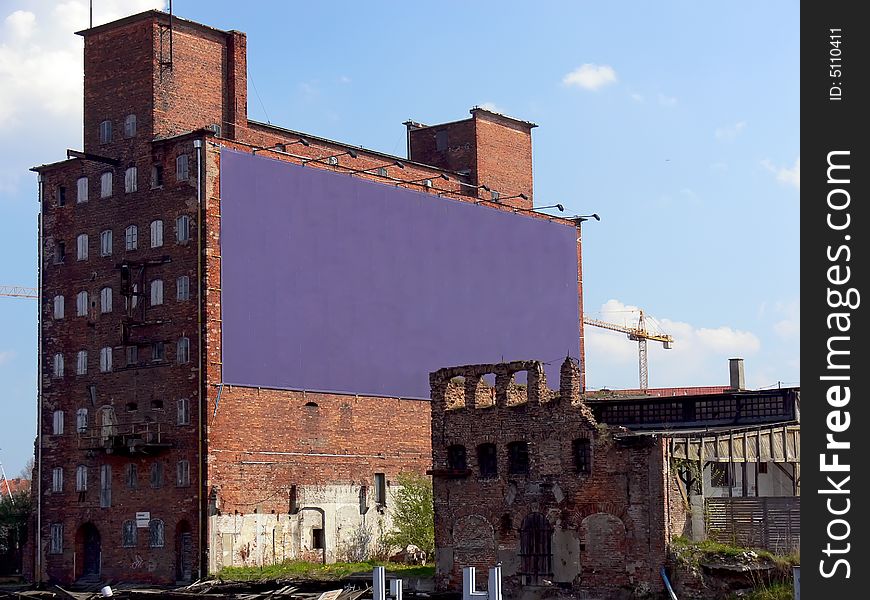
(738, 379)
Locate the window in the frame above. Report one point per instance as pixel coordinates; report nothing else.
(132, 476)
(81, 478)
(487, 460)
(61, 195)
(157, 176)
(582, 456)
(82, 304)
(158, 351)
(762, 467)
(182, 351)
(58, 365)
(57, 479)
(182, 171)
(182, 475)
(155, 533)
(56, 546)
(182, 288)
(82, 420)
(106, 359)
(536, 552)
(105, 132)
(57, 423)
(182, 229)
(58, 307)
(106, 243)
(106, 300)
(129, 534)
(720, 475)
(382, 171)
(106, 184)
(157, 292)
(157, 405)
(441, 140)
(456, 458)
(131, 238)
(105, 486)
(156, 234)
(134, 296)
(130, 126)
(82, 247)
(81, 190)
(518, 458)
(317, 538)
(59, 253)
(157, 475)
(82, 362)
(132, 407)
(131, 180)
(380, 489)
(132, 353)
(183, 411)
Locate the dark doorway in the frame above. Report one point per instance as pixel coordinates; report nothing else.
(183, 552)
(536, 552)
(88, 548)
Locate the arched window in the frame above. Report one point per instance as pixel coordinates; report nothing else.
(155, 533)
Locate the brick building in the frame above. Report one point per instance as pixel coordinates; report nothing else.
(151, 466)
(574, 492)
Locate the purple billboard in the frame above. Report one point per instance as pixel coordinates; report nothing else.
(334, 283)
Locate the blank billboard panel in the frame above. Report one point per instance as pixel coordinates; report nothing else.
(334, 283)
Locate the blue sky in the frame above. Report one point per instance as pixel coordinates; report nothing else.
(676, 121)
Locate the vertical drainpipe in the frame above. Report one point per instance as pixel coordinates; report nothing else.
(37, 563)
(197, 144)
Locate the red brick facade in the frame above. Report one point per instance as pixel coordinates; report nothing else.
(162, 407)
(556, 498)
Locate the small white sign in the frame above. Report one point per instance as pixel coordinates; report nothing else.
(142, 519)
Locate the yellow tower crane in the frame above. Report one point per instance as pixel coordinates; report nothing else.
(640, 335)
(17, 291)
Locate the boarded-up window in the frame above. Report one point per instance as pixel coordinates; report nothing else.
(132, 476)
(182, 474)
(155, 533)
(58, 307)
(105, 486)
(380, 489)
(129, 534)
(157, 475)
(56, 546)
(536, 554)
(81, 478)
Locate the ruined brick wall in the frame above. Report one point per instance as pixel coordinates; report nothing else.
(607, 523)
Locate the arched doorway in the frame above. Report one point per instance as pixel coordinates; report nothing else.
(88, 551)
(183, 552)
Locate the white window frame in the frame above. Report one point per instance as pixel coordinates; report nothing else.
(106, 184)
(105, 486)
(182, 167)
(57, 423)
(58, 306)
(81, 190)
(156, 233)
(106, 359)
(182, 411)
(82, 304)
(131, 180)
(81, 420)
(182, 351)
(157, 292)
(129, 126)
(106, 300)
(82, 246)
(182, 288)
(182, 229)
(81, 478)
(105, 131)
(56, 546)
(58, 365)
(106, 242)
(182, 473)
(57, 479)
(82, 362)
(131, 238)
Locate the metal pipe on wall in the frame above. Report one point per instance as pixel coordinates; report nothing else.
(197, 144)
(37, 565)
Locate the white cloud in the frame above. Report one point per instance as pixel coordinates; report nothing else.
(590, 77)
(21, 23)
(637, 98)
(699, 355)
(731, 132)
(492, 106)
(788, 327)
(667, 100)
(788, 176)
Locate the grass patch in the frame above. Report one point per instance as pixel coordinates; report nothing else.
(296, 569)
(708, 548)
(777, 591)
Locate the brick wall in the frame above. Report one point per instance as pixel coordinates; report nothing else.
(607, 523)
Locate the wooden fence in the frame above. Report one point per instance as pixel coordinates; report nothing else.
(772, 523)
